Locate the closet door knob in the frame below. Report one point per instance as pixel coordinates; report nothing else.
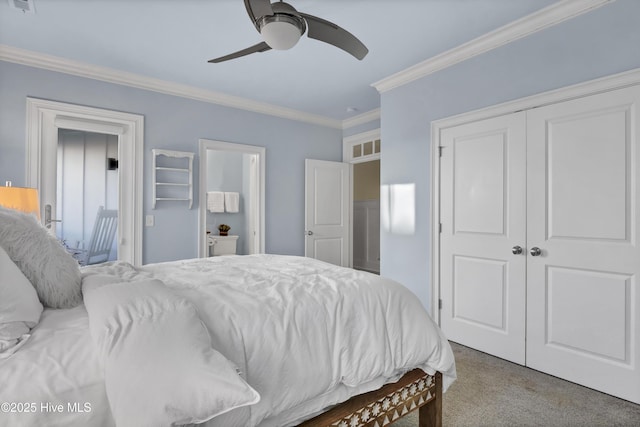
(535, 251)
(516, 250)
(309, 233)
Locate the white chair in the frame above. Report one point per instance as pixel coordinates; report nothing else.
(101, 241)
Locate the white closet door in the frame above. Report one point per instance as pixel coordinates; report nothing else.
(482, 206)
(584, 216)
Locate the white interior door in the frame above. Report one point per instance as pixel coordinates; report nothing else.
(483, 219)
(584, 216)
(327, 187)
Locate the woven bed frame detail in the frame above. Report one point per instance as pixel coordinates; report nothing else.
(392, 406)
(382, 407)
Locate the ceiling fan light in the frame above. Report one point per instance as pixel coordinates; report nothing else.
(280, 34)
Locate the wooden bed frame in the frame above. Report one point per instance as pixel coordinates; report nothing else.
(415, 390)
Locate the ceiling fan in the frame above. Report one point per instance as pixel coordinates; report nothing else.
(281, 26)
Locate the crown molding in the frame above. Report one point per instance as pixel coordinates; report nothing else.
(366, 117)
(110, 75)
(532, 23)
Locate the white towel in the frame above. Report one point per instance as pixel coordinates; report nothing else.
(215, 201)
(231, 202)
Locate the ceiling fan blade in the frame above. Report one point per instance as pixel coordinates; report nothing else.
(260, 47)
(257, 9)
(329, 32)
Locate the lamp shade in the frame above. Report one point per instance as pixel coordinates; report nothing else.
(20, 198)
(280, 35)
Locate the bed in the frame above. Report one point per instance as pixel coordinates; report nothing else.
(257, 340)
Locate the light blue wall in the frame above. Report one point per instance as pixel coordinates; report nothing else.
(364, 127)
(603, 42)
(177, 123)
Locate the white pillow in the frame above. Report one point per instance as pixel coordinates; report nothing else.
(49, 267)
(20, 308)
(160, 368)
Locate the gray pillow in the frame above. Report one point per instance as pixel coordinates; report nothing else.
(42, 259)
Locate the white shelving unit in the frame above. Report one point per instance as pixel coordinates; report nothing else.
(173, 176)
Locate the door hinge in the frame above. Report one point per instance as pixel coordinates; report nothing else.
(439, 304)
(440, 148)
(440, 227)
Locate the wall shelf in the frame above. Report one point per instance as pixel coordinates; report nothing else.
(172, 176)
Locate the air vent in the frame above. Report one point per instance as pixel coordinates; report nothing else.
(25, 6)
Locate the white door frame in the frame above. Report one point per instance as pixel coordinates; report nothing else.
(257, 185)
(616, 81)
(43, 120)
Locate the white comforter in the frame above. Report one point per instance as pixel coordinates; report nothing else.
(303, 333)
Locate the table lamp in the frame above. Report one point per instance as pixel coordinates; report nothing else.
(20, 198)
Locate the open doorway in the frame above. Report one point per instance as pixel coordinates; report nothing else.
(44, 119)
(366, 216)
(231, 174)
(363, 151)
(87, 180)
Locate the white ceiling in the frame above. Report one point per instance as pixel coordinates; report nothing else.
(172, 40)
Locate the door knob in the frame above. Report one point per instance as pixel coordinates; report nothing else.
(516, 250)
(309, 233)
(535, 251)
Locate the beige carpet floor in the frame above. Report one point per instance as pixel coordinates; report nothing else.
(492, 392)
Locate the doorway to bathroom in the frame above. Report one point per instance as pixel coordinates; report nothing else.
(231, 194)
